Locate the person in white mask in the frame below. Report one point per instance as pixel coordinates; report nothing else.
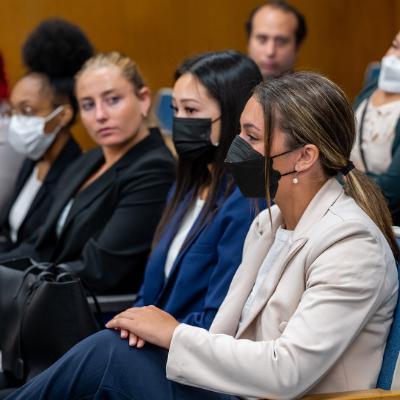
(43, 109)
(377, 147)
(27, 133)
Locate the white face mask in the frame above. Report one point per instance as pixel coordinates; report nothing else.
(27, 136)
(389, 77)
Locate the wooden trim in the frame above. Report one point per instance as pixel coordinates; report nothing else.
(356, 395)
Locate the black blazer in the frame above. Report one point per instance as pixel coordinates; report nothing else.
(107, 235)
(44, 198)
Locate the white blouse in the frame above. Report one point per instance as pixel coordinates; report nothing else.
(379, 129)
(22, 204)
(283, 238)
(181, 235)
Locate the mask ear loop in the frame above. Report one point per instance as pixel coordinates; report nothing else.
(54, 113)
(212, 121)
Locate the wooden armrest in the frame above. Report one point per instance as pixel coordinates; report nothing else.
(357, 395)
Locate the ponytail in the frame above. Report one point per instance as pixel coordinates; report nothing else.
(369, 197)
(310, 108)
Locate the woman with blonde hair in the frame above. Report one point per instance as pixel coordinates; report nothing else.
(311, 303)
(109, 202)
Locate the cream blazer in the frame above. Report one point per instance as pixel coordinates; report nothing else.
(321, 321)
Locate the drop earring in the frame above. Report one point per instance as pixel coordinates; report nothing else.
(295, 180)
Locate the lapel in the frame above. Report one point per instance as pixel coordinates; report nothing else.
(173, 226)
(192, 236)
(317, 208)
(228, 317)
(109, 178)
(26, 170)
(70, 184)
(86, 197)
(69, 153)
(23, 175)
(269, 285)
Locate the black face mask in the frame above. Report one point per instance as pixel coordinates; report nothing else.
(248, 169)
(192, 140)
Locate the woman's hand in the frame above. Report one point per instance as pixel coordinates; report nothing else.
(145, 324)
(133, 339)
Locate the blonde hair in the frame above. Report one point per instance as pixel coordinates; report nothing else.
(129, 69)
(311, 109)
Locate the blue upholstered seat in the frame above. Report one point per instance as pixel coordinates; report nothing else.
(389, 377)
(163, 110)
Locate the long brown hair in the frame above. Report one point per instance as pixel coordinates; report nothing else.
(311, 109)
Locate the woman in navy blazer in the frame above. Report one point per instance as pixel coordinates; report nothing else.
(204, 267)
(207, 105)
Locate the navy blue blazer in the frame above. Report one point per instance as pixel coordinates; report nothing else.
(203, 270)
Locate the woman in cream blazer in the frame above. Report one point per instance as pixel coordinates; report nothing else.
(310, 307)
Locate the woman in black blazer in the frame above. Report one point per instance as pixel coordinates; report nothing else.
(43, 110)
(109, 201)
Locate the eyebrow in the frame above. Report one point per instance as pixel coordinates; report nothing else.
(188, 99)
(23, 103)
(249, 125)
(273, 37)
(106, 93)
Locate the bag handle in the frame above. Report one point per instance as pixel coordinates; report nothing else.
(43, 267)
(63, 277)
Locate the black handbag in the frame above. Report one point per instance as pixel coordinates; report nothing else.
(43, 313)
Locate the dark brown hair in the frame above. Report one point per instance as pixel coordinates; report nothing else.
(311, 109)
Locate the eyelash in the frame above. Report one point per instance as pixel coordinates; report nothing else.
(188, 110)
(25, 111)
(113, 100)
(110, 101)
(87, 106)
(251, 138)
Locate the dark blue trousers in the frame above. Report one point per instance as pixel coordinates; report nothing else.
(104, 367)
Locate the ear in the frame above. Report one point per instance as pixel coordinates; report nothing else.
(66, 115)
(309, 156)
(60, 120)
(144, 96)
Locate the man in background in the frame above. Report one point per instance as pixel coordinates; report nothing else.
(275, 33)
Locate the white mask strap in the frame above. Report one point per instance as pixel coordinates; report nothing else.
(54, 113)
